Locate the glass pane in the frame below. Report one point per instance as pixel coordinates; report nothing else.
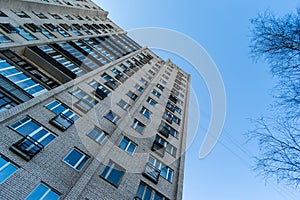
(82, 163)
(158, 196)
(131, 148)
(147, 195)
(73, 157)
(38, 192)
(51, 196)
(140, 190)
(28, 128)
(59, 109)
(115, 176)
(7, 171)
(123, 144)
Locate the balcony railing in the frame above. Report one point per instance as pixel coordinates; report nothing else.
(152, 173)
(62, 122)
(128, 72)
(27, 148)
(163, 130)
(158, 148)
(111, 84)
(100, 94)
(121, 78)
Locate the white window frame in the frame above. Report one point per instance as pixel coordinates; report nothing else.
(78, 162)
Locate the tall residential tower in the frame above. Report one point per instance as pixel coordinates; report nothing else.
(85, 111)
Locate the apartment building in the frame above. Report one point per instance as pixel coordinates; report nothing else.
(85, 111)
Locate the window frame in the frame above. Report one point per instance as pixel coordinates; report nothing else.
(29, 197)
(5, 166)
(100, 138)
(79, 162)
(136, 123)
(129, 142)
(107, 171)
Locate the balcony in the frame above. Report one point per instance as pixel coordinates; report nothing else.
(152, 173)
(27, 148)
(61, 122)
(163, 130)
(173, 99)
(100, 94)
(121, 78)
(128, 72)
(111, 84)
(158, 148)
(168, 118)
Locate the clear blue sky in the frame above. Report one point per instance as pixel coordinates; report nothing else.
(222, 28)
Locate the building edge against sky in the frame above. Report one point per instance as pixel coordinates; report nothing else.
(85, 111)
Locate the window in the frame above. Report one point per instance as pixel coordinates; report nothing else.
(127, 145)
(165, 171)
(6, 103)
(112, 117)
(2, 14)
(21, 31)
(159, 86)
(155, 93)
(4, 39)
(43, 192)
(68, 17)
(8, 28)
(21, 14)
(163, 81)
(143, 81)
(40, 15)
(132, 95)
(66, 62)
(112, 173)
(139, 88)
(173, 108)
(6, 169)
(35, 137)
(101, 91)
(145, 112)
(55, 16)
(65, 117)
(46, 33)
(165, 130)
(77, 54)
(86, 102)
(151, 101)
(138, 126)
(76, 159)
(171, 149)
(123, 104)
(145, 192)
(97, 135)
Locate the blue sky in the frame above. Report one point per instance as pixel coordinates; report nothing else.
(222, 29)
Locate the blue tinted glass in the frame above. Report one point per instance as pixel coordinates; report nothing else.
(38, 192)
(147, 195)
(28, 128)
(158, 196)
(73, 157)
(6, 171)
(51, 196)
(131, 148)
(85, 159)
(123, 143)
(115, 176)
(140, 190)
(105, 171)
(163, 172)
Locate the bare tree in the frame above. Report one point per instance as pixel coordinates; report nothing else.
(276, 40)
